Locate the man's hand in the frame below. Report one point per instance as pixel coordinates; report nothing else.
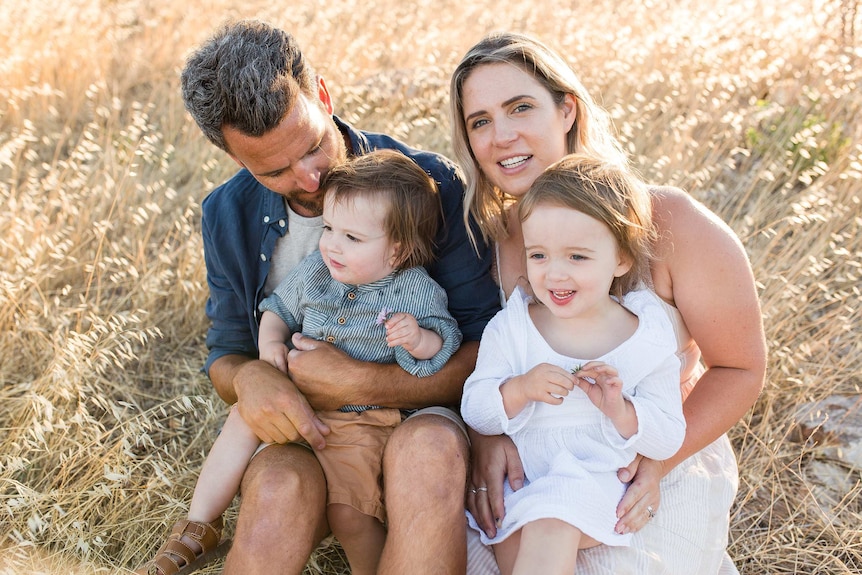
(274, 408)
(494, 458)
(325, 374)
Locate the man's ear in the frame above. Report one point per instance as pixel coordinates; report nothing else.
(323, 95)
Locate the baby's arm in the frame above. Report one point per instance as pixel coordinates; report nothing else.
(602, 384)
(403, 329)
(272, 340)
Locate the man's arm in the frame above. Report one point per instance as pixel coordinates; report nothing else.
(329, 378)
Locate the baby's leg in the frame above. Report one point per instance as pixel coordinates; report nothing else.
(362, 537)
(548, 546)
(223, 469)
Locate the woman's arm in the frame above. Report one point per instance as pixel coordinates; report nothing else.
(703, 270)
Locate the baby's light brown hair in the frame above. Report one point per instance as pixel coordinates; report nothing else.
(414, 211)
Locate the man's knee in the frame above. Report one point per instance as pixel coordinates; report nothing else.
(426, 446)
(279, 476)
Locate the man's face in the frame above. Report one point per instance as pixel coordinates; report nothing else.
(291, 158)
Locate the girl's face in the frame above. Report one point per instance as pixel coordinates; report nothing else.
(354, 244)
(514, 127)
(572, 260)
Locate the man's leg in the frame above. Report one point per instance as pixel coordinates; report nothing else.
(424, 476)
(282, 515)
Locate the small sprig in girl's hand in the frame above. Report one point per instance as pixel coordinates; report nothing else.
(403, 329)
(603, 386)
(546, 382)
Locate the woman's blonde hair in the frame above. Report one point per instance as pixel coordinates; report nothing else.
(609, 194)
(590, 134)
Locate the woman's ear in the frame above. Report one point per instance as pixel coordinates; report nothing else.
(570, 110)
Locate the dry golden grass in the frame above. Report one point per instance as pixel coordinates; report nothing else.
(104, 417)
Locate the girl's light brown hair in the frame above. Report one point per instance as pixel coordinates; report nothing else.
(414, 213)
(608, 193)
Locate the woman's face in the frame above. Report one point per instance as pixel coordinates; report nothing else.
(514, 127)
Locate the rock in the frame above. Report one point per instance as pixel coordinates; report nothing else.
(834, 427)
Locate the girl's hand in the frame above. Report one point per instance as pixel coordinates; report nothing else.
(402, 329)
(642, 497)
(545, 382)
(602, 384)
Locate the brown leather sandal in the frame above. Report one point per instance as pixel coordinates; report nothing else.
(176, 557)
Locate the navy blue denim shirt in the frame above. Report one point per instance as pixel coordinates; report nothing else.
(241, 221)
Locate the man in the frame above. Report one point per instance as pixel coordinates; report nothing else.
(253, 95)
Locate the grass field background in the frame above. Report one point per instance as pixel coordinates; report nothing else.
(753, 107)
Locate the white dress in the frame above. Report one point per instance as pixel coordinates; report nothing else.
(571, 452)
(689, 533)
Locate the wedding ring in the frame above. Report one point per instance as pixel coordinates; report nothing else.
(650, 511)
(481, 489)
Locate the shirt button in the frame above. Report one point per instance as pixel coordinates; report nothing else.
(282, 223)
(330, 339)
(341, 321)
(351, 295)
(266, 219)
(263, 257)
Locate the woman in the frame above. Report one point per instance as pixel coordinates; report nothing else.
(516, 108)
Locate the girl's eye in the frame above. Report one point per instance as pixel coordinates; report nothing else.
(537, 256)
(578, 257)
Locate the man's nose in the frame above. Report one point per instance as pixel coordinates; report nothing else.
(308, 179)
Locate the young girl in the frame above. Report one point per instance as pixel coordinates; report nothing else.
(582, 374)
(366, 292)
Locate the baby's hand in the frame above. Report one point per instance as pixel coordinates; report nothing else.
(602, 384)
(546, 383)
(275, 354)
(403, 329)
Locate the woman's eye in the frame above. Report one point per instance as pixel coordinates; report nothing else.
(522, 107)
(478, 123)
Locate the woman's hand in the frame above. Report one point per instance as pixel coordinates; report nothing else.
(494, 458)
(642, 498)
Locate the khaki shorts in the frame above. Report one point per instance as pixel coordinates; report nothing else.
(352, 460)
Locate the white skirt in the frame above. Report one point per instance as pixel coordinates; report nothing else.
(688, 534)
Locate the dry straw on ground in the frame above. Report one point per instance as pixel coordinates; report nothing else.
(104, 417)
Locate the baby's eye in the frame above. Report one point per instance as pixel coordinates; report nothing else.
(327, 228)
(353, 238)
(578, 257)
(537, 256)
